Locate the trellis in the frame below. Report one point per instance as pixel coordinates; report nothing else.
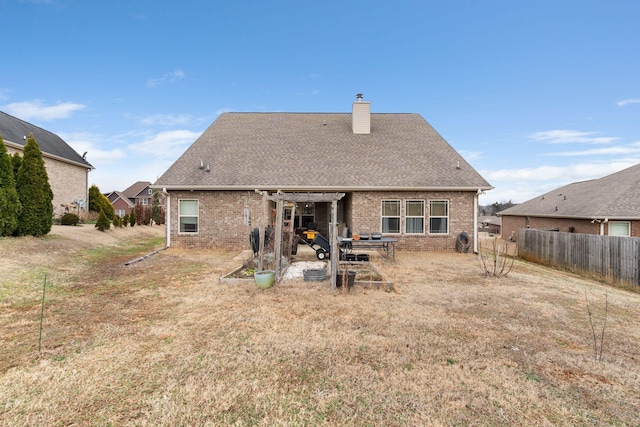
(281, 198)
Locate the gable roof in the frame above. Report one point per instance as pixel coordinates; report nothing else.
(115, 195)
(615, 196)
(135, 189)
(319, 152)
(14, 130)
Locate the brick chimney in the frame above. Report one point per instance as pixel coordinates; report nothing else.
(361, 116)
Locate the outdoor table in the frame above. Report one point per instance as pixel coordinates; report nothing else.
(385, 243)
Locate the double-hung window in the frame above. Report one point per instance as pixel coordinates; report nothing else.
(391, 216)
(188, 215)
(414, 213)
(439, 216)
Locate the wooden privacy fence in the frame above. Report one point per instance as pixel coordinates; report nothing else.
(612, 258)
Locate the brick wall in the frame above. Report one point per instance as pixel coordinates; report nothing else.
(585, 226)
(68, 182)
(221, 217)
(366, 212)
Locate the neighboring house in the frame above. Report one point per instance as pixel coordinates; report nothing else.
(68, 171)
(122, 205)
(605, 206)
(490, 224)
(398, 175)
(125, 201)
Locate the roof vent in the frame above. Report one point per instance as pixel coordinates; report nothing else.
(361, 116)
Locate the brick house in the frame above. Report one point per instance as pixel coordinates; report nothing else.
(606, 206)
(68, 171)
(139, 193)
(398, 175)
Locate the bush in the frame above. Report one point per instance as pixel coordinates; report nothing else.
(125, 220)
(132, 218)
(103, 222)
(69, 219)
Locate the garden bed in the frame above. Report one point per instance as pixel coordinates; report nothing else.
(367, 274)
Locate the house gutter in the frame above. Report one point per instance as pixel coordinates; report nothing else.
(309, 189)
(475, 220)
(20, 147)
(167, 216)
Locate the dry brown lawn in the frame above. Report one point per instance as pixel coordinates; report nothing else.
(164, 342)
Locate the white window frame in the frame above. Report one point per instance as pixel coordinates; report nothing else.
(144, 201)
(383, 216)
(407, 216)
(180, 216)
(120, 213)
(617, 224)
(431, 216)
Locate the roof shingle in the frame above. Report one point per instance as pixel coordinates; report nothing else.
(14, 130)
(315, 151)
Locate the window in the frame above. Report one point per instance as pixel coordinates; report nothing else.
(438, 217)
(391, 216)
(144, 202)
(120, 213)
(188, 216)
(414, 212)
(619, 228)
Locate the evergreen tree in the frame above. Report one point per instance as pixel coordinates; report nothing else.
(98, 202)
(125, 220)
(132, 218)
(10, 206)
(155, 208)
(34, 192)
(102, 222)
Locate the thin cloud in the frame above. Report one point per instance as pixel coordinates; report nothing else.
(628, 101)
(166, 119)
(557, 174)
(166, 144)
(571, 137)
(90, 143)
(171, 77)
(617, 150)
(37, 110)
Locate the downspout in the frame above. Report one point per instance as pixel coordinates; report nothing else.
(475, 220)
(167, 215)
(606, 220)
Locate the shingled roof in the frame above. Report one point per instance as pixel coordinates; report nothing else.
(135, 189)
(14, 131)
(320, 152)
(615, 196)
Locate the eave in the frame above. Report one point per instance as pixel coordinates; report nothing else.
(309, 189)
(20, 147)
(579, 217)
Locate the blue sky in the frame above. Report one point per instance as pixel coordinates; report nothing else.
(534, 94)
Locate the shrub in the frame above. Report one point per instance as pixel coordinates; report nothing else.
(69, 219)
(132, 218)
(103, 222)
(125, 220)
